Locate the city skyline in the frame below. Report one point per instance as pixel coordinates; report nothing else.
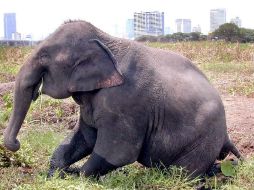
(40, 19)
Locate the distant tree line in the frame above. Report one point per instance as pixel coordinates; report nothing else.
(176, 37)
(18, 43)
(228, 32)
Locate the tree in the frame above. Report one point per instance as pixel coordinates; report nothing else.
(247, 35)
(229, 32)
(195, 36)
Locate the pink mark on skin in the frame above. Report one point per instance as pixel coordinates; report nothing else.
(114, 80)
(61, 57)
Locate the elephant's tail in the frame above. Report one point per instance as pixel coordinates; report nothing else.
(227, 148)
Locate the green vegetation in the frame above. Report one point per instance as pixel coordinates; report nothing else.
(29, 166)
(228, 32)
(232, 33)
(229, 66)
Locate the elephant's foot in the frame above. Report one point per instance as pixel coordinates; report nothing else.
(71, 171)
(213, 170)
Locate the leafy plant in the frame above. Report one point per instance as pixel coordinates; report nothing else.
(6, 109)
(227, 168)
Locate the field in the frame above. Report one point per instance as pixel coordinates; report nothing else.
(229, 67)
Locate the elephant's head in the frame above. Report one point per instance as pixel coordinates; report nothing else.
(71, 60)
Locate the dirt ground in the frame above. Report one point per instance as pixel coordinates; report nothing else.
(240, 122)
(239, 115)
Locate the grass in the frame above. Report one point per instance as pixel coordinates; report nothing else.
(39, 142)
(211, 52)
(231, 77)
(229, 67)
(11, 60)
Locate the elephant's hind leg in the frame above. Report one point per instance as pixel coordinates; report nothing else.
(76, 146)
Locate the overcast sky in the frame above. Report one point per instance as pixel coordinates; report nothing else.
(41, 17)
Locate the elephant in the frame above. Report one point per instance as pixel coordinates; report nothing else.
(137, 103)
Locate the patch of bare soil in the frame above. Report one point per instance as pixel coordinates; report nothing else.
(240, 122)
(6, 87)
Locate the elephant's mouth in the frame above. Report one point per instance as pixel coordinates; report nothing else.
(54, 90)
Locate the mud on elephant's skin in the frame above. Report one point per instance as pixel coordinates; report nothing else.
(136, 103)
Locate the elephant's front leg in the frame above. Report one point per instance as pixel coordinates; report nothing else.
(75, 147)
(116, 146)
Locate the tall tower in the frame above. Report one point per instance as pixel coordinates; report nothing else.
(217, 18)
(9, 25)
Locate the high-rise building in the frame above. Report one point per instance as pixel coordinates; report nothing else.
(9, 25)
(217, 18)
(130, 28)
(148, 23)
(183, 25)
(237, 21)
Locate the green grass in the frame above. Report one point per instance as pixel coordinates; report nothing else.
(39, 142)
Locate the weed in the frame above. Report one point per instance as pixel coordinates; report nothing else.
(6, 109)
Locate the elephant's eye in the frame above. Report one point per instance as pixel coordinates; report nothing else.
(44, 57)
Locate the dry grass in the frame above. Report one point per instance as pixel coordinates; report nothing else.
(210, 52)
(11, 58)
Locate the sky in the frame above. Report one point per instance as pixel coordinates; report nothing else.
(42, 17)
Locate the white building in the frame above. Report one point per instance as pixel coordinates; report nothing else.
(217, 18)
(148, 23)
(130, 28)
(183, 25)
(16, 36)
(237, 21)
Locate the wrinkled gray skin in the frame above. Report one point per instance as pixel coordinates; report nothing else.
(136, 103)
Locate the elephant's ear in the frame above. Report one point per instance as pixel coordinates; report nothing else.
(96, 70)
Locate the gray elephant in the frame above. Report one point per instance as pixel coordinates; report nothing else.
(136, 103)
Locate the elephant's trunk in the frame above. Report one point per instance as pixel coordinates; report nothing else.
(25, 85)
